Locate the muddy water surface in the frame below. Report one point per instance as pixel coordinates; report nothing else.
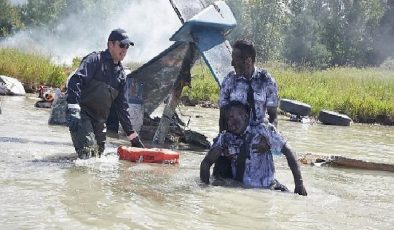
(42, 186)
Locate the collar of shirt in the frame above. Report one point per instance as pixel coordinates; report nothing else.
(245, 135)
(254, 75)
(107, 57)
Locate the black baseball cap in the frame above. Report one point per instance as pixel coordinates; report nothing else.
(121, 36)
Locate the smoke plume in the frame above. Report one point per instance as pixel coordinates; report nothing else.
(149, 24)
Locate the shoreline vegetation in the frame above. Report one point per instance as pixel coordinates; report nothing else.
(366, 95)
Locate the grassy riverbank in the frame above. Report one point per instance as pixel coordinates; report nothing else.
(31, 69)
(366, 95)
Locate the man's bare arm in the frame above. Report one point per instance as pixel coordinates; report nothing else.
(222, 122)
(211, 157)
(272, 115)
(295, 169)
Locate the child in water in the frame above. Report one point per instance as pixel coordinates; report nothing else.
(249, 149)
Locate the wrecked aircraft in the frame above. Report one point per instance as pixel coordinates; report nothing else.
(202, 34)
(205, 24)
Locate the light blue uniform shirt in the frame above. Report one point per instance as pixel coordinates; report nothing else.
(265, 91)
(259, 167)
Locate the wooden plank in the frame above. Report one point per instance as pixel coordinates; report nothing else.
(339, 161)
(216, 51)
(343, 162)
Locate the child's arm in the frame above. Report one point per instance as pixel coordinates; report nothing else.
(211, 157)
(295, 169)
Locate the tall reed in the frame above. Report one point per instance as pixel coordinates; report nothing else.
(31, 69)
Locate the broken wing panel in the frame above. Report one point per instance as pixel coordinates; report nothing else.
(207, 29)
(186, 9)
(216, 51)
(159, 74)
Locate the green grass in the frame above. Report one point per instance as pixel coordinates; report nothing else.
(204, 86)
(365, 95)
(34, 69)
(31, 69)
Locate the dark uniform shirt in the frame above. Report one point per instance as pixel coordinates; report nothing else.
(97, 84)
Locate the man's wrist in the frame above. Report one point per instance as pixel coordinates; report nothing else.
(74, 107)
(130, 132)
(132, 135)
(299, 182)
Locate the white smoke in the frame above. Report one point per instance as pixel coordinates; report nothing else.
(149, 24)
(18, 2)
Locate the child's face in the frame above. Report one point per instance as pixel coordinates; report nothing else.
(237, 120)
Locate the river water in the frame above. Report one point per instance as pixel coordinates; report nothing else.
(43, 186)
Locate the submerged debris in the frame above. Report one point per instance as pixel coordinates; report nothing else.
(344, 162)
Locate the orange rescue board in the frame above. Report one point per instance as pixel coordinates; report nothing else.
(148, 155)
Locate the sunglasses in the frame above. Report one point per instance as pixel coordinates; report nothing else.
(123, 46)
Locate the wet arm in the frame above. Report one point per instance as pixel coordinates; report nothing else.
(211, 157)
(295, 169)
(272, 115)
(223, 100)
(272, 101)
(222, 121)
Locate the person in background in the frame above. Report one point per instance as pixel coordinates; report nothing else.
(250, 148)
(96, 86)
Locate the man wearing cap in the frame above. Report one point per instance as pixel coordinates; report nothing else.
(98, 84)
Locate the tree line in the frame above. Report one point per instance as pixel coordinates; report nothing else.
(306, 33)
(318, 33)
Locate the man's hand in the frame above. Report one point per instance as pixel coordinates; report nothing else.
(73, 118)
(300, 189)
(135, 140)
(261, 147)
